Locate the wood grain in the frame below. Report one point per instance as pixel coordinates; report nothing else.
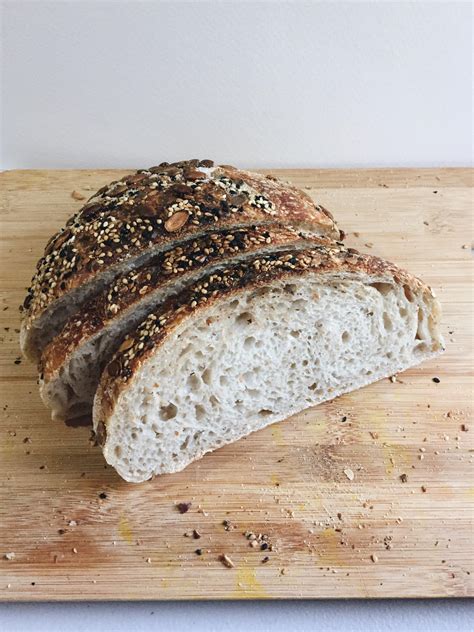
(373, 536)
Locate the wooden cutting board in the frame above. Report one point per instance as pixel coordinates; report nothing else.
(79, 532)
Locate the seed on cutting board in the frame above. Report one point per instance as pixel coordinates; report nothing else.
(228, 563)
(183, 507)
(436, 380)
(404, 478)
(374, 558)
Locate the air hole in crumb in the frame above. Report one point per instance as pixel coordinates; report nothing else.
(421, 346)
(345, 336)
(387, 322)
(214, 401)
(249, 342)
(382, 288)
(253, 392)
(168, 412)
(207, 376)
(134, 436)
(305, 363)
(248, 378)
(186, 349)
(233, 304)
(431, 324)
(296, 333)
(419, 330)
(200, 412)
(118, 451)
(389, 355)
(299, 303)
(193, 382)
(245, 318)
(184, 445)
(313, 386)
(264, 412)
(290, 288)
(403, 312)
(408, 293)
(293, 365)
(223, 380)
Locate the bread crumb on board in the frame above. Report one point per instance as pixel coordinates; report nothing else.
(10, 556)
(349, 473)
(77, 196)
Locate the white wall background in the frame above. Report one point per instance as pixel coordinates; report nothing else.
(122, 83)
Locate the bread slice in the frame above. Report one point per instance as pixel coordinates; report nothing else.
(129, 221)
(253, 344)
(72, 362)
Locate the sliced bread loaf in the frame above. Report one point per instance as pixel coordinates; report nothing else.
(71, 364)
(129, 221)
(253, 344)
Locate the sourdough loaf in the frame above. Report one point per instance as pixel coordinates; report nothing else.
(252, 344)
(127, 222)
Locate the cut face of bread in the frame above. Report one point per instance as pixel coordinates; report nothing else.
(73, 361)
(130, 221)
(251, 345)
